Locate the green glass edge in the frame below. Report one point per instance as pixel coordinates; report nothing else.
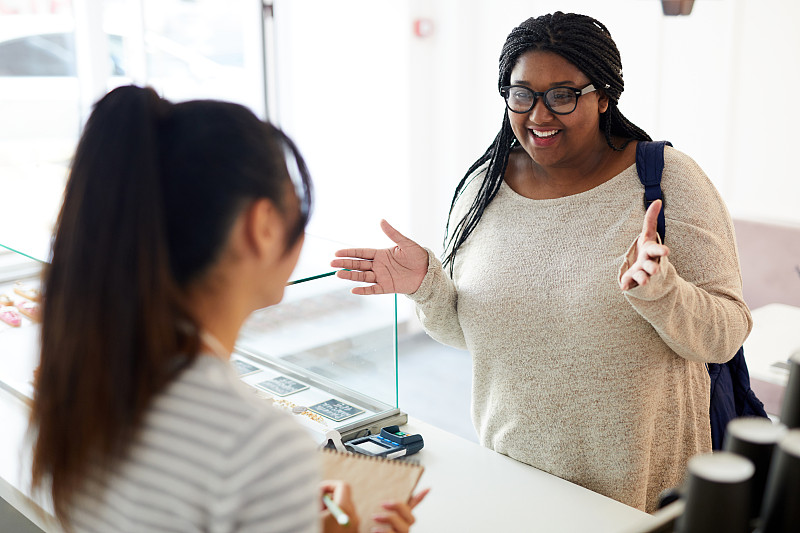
(310, 278)
(396, 366)
(293, 282)
(23, 254)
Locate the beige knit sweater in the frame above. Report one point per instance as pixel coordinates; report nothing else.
(571, 375)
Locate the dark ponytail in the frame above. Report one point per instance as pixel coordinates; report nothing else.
(587, 44)
(110, 304)
(153, 192)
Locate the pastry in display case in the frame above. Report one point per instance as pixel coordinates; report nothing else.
(19, 319)
(323, 354)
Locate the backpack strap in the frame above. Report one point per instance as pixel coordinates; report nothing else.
(731, 395)
(650, 166)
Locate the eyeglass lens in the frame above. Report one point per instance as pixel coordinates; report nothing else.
(561, 100)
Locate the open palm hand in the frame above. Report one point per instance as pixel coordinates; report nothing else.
(399, 269)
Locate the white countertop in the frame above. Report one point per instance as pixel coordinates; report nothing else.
(14, 466)
(775, 337)
(473, 488)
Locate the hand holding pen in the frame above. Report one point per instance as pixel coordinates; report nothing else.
(339, 514)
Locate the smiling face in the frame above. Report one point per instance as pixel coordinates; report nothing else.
(553, 140)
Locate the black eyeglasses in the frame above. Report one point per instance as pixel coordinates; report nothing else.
(559, 100)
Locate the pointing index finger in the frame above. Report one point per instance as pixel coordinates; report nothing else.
(650, 225)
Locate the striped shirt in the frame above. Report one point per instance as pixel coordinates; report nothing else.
(211, 457)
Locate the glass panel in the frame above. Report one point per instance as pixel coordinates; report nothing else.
(341, 345)
(324, 353)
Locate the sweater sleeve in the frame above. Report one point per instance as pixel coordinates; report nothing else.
(436, 298)
(436, 301)
(695, 301)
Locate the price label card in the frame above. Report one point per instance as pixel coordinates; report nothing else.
(282, 386)
(244, 369)
(335, 410)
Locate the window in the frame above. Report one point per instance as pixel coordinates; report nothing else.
(58, 57)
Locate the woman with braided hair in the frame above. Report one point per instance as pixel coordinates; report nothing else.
(588, 335)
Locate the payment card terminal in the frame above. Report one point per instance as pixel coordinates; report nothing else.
(391, 444)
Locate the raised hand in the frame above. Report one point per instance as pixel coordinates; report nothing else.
(649, 252)
(400, 269)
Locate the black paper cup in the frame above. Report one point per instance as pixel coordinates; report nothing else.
(790, 409)
(781, 510)
(717, 494)
(754, 438)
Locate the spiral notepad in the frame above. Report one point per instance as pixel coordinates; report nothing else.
(373, 480)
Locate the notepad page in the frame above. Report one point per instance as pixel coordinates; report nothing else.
(373, 481)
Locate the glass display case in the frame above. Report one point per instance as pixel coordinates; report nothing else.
(324, 354)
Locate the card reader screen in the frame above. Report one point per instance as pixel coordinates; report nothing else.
(370, 447)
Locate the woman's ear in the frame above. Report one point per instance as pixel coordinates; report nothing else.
(263, 229)
(602, 102)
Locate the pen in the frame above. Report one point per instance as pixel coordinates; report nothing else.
(340, 516)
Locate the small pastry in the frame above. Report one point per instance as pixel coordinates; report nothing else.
(5, 300)
(30, 310)
(10, 316)
(27, 292)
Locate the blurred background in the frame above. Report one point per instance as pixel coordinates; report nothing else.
(391, 101)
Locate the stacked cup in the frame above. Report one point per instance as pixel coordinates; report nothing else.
(717, 492)
(754, 485)
(754, 439)
(780, 511)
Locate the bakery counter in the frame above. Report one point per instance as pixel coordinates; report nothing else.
(473, 488)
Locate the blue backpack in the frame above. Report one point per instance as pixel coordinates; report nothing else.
(731, 395)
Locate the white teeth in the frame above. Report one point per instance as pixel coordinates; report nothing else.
(544, 133)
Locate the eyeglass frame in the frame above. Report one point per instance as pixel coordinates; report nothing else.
(504, 92)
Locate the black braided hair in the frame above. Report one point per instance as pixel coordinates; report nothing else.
(587, 44)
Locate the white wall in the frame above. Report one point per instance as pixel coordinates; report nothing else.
(693, 80)
(762, 141)
(343, 82)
